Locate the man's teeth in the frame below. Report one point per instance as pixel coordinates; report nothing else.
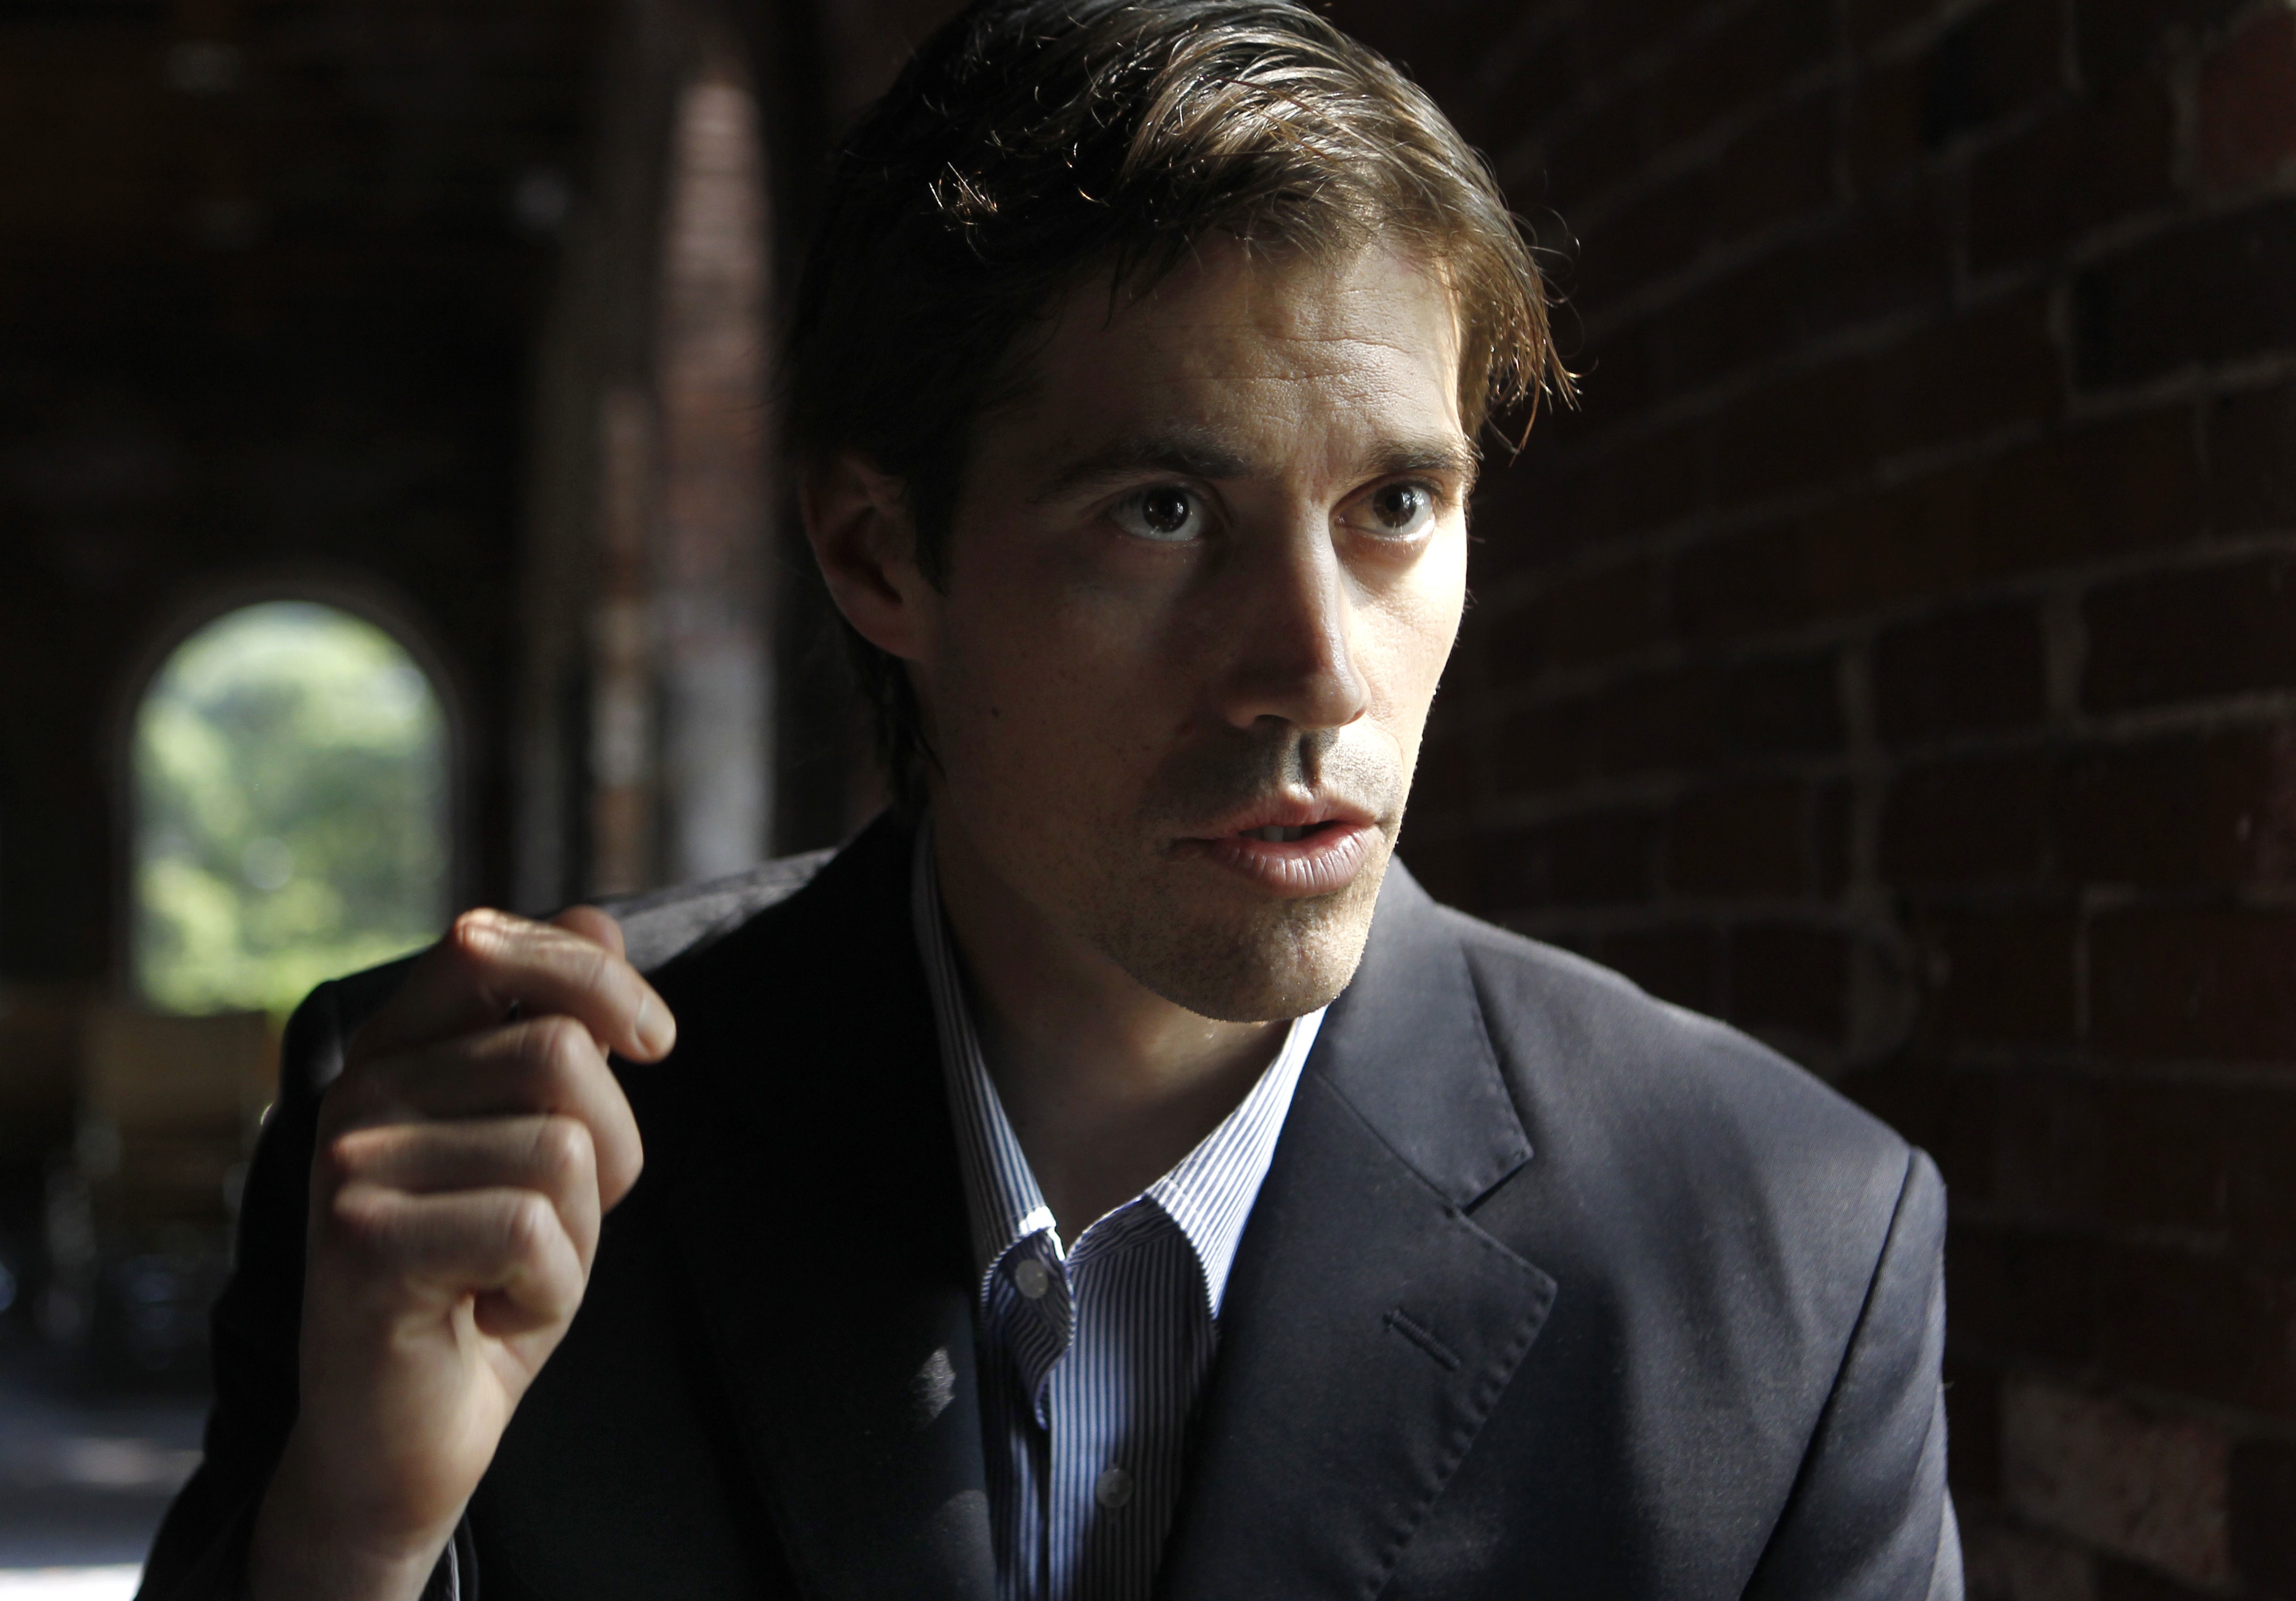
(1275, 833)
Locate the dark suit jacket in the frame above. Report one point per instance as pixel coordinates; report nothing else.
(1552, 1290)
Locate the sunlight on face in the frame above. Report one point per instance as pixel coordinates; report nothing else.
(1203, 578)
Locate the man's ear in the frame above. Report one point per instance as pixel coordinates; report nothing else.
(857, 521)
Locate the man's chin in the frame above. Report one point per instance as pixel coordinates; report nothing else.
(1260, 961)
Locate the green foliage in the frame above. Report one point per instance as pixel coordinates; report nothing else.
(291, 786)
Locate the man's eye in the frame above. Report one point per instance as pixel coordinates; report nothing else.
(1166, 513)
(1400, 511)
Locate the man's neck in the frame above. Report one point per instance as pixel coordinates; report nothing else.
(1107, 1083)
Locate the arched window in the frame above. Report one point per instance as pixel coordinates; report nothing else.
(291, 791)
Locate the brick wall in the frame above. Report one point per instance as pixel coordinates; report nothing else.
(265, 294)
(1896, 654)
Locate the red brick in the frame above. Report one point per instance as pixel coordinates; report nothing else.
(2134, 1482)
(1783, 705)
(1967, 823)
(1656, 234)
(1885, 124)
(1746, 59)
(2210, 292)
(1543, 83)
(1791, 979)
(2247, 104)
(2028, 1294)
(1991, 63)
(2116, 37)
(2180, 984)
(1583, 618)
(1918, 1098)
(1610, 34)
(1997, 975)
(1834, 818)
(1527, 514)
(1779, 169)
(2215, 808)
(2253, 1139)
(2090, 163)
(1662, 721)
(1977, 669)
(1450, 868)
(1619, 383)
(2005, 1562)
(1873, 19)
(2202, 1327)
(2036, 1148)
(1677, 962)
(1744, 839)
(2189, 635)
(1445, 782)
(1887, 256)
(2252, 463)
(1541, 749)
(2069, 1146)
(1599, 149)
(2115, 1581)
(1649, 483)
(1972, 1407)
(1747, 582)
(1811, 429)
(1590, 860)
(2125, 485)
(1968, 378)
(2263, 1507)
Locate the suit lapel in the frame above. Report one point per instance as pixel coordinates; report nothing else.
(818, 1206)
(1370, 1326)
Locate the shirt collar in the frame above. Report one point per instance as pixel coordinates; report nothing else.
(1208, 1193)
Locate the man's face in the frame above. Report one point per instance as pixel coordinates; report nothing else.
(1202, 579)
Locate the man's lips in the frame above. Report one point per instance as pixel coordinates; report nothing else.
(1293, 850)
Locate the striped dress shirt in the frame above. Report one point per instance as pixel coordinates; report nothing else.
(1092, 1356)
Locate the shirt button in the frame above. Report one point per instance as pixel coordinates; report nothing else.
(1112, 1489)
(1029, 1278)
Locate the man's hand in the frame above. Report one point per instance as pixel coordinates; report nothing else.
(465, 1156)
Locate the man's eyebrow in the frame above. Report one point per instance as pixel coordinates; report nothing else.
(1207, 455)
(1453, 455)
(1185, 455)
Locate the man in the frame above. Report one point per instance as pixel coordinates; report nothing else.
(1110, 1176)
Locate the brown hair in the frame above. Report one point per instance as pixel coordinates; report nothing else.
(1032, 145)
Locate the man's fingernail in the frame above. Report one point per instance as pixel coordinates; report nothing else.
(656, 1030)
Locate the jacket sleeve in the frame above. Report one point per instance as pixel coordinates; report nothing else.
(255, 1329)
(1870, 1518)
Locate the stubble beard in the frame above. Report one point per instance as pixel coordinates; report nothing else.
(1201, 936)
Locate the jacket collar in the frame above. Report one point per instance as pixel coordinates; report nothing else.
(1372, 1326)
(810, 1180)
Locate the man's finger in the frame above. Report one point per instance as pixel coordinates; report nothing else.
(506, 1246)
(544, 1066)
(593, 925)
(553, 1156)
(491, 965)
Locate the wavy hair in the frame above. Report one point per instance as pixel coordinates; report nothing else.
(1032, 145)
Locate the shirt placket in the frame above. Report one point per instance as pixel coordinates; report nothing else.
(1032, 1310)
(1090, 1485)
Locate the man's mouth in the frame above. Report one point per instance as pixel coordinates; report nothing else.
(1317, 849)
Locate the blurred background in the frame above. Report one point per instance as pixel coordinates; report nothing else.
(1896, 655)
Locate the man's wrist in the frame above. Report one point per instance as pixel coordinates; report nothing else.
(304, 1549)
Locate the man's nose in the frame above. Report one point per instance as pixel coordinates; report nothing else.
(1294, 652)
